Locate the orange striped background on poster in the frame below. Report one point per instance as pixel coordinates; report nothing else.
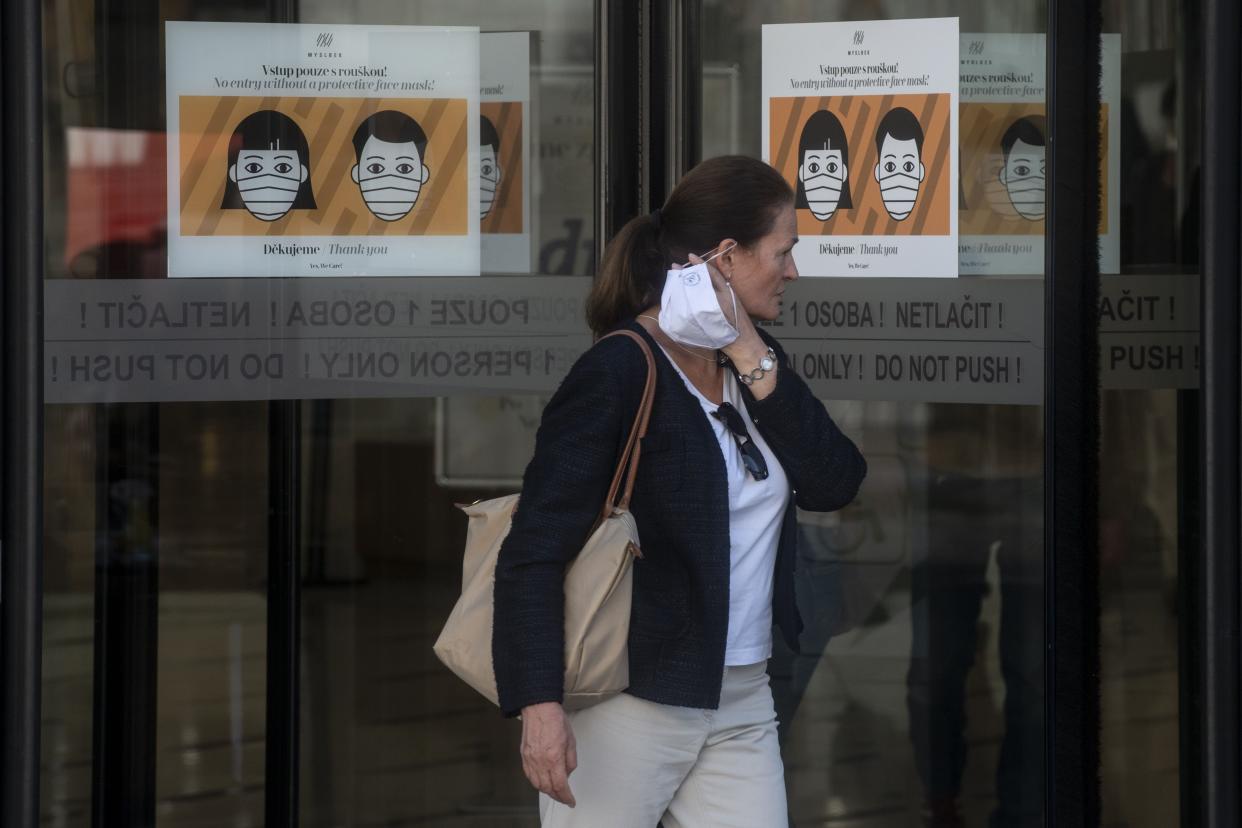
(207, 124)
(985, 208)
(506, 213)
(860, 115)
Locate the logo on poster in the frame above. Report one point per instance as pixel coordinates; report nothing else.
(324, 41)
(859, 35)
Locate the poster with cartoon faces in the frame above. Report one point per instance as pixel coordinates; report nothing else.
(304, 150)
(861, 120)
(1003, 196)
(504, 152)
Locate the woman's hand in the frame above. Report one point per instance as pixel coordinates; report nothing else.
(549, 753)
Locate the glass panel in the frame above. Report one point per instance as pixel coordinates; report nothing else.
(160, 514)
(928, 707)
(1149, 410)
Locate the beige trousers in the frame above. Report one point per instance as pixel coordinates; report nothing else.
(640, 763)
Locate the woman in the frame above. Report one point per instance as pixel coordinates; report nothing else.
(693, 740)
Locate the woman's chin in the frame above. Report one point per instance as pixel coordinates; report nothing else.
(770, 314)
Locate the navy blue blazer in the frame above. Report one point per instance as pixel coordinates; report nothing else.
(680, 614)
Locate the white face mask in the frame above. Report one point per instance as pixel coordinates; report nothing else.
(691, 314)
(899, 174)
(268, 181)
(390, 176)
(1023, 177)
(489, 179)
(822, 175)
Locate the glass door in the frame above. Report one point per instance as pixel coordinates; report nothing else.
(268, 388)
(252, 538)
(918, 695)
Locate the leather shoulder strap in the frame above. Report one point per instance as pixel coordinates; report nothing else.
(633, 445)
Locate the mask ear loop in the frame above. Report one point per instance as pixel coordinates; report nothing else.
(728, 284)
(719, 253)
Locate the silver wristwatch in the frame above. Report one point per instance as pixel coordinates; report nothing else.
(766, 364)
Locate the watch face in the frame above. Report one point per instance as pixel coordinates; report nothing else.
(767, 364)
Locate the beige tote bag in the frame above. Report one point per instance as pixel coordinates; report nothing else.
(597, 585)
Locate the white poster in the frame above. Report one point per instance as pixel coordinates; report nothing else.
(316, 150)
(1003, 154)
(861, 119)
(504, 151)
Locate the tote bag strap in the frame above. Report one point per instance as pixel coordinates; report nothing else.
(633, 446)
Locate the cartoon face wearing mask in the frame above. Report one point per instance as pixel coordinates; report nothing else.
(489, 165)
(268, 167)
(823, 167)
(1022, 174)
(899, 143)
(390, 147)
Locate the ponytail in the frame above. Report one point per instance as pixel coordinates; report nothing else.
(632, 272)
(732, 196)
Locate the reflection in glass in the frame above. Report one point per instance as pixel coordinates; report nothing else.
(917, 698)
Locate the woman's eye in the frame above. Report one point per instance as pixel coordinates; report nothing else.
(1022, 170)
(487, 169)
(254, 167)
(375, 168)
(813, 167)
(284, 168)
(405, 169)
(908, 166)
(832, 166)
(889, 167)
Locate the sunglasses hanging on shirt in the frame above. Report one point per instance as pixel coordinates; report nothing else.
(752, 457)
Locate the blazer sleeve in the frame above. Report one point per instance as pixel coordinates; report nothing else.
(824, 466)
(563, 492)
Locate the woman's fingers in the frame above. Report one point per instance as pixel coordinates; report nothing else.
(560, 784)
(549, 753)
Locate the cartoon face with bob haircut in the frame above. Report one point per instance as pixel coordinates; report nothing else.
(489, 165)
(900, 171)
(1022, 174)
(268, 167)
(823, 166)
(390, 148)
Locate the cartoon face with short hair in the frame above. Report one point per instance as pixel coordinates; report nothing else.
(899, 171)
(390, 147)
(268, 167)
(823, 167)
(1024, 152)
(489, 165)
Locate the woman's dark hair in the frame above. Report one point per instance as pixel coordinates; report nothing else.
(823, 131)
(732, 196)
(267, 130)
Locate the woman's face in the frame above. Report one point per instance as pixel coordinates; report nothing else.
(760, 272)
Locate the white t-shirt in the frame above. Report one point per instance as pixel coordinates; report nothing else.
(756, 512)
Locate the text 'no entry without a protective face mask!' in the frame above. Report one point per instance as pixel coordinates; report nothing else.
(690, 313)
